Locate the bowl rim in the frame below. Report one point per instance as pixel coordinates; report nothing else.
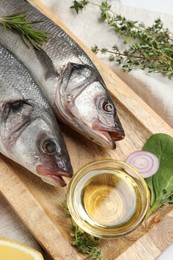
(95, 230)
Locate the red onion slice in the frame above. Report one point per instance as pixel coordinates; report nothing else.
(146, 163)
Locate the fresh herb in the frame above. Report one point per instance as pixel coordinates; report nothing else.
(79, 5)
(85, 243)
(149, 48)
(19, 23)
(161, 184)
(82, 241)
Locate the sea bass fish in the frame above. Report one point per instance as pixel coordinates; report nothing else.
(69, 79)
(29, 133)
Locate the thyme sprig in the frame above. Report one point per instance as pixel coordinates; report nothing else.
(85, 243)
(30, 35)
(82, 241)
(79, 5)
(149, 48)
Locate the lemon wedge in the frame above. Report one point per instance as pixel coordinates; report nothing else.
(12, 250)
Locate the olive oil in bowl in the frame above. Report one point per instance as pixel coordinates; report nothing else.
(111, 198)
(105, 200)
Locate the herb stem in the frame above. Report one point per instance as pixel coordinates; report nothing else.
(82, 241)
(133, 56)
(153, 209)
(19, 23)
(149, 48)
(157, 205)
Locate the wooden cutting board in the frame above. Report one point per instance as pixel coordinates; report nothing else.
(39, 205)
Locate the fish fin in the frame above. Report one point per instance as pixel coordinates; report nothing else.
(47, 63)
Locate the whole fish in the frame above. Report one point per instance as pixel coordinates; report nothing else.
(69, 79)
(29, 133)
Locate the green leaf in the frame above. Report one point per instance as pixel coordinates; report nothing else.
(104, 6)
(161, 184)
(95, 49)
(152, 191)
(79, 5)
(170, 199)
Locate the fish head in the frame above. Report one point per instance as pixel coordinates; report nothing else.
(85, 99)
(54, 162)
(31, 137)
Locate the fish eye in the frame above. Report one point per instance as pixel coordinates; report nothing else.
(16, 106)
(107, 106)
(49, 146)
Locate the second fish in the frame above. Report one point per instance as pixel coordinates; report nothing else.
(69, 79)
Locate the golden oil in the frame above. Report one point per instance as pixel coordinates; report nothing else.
(107, 198)
(111, 198)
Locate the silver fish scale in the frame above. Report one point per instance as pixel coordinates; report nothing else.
(27, 121)
(60, 73)
(66, 49)
(13, 71)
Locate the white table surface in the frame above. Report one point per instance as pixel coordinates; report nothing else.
(161, 6)
(164, 6)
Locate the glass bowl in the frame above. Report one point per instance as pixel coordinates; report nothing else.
(107, 198)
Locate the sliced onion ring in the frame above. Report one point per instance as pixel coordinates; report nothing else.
(146, 163)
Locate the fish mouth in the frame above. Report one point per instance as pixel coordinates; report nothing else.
(54, 178)
(110, 134)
